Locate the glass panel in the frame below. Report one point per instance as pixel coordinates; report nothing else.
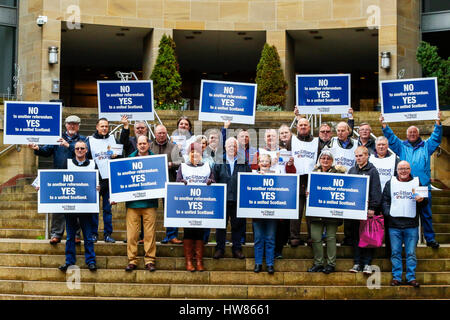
(7, 56)
(436, 5)
(9, 3)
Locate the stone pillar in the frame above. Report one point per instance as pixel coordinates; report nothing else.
(387, 38)
(30, 49)
(285, 47)
(151, 47)
(408, 37)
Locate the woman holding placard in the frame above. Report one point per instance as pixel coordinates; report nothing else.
(264, 229)
(194, 171)
(326, 164)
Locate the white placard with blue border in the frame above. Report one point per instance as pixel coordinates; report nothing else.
(222, 101)
(68, 191)
(195, 205)
(337, 196)
(323, 93)
(131, 98)
(409, 99)
(268, 196)
(138, 178)
(32, 122)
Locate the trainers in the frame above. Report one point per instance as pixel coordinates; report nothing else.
(94, 238)
(367, 269)
(219, 254)
(109, 239)
(55, 240)
(356, 268)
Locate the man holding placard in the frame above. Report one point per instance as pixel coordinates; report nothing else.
(228, 173)
(147, 210)
(61, 153)
(402, 206)
(418, 152)
(76, 220)
(98, 145)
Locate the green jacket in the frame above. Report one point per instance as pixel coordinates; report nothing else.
(333, 169)
(140, 204)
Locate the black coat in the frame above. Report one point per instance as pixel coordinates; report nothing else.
(222, 175)
(399, 222)
(374, 184)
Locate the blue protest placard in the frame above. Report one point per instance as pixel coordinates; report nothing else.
(195, 205)
(138, 178)
(32, 122)
(131, 98)
(272, 196)
(323, 93)
(409, 99)
(62, 191)
(337, 196)
(227, 101)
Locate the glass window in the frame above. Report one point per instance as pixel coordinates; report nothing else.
(435, 5)
(9, 3)
(7, 57)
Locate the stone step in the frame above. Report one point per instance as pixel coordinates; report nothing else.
(196, 291)
(120, 224)
(214, 277)
(120, 235)
(225, 264)
(24, 246)
(18, 196)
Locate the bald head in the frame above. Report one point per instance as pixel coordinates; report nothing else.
(403, 171)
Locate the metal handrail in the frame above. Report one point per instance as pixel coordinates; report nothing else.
(10, 147)
(440, 149)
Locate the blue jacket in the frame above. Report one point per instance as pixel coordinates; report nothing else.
(60, 153)
(418, 156)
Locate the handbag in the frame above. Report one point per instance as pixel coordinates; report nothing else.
(371, 232)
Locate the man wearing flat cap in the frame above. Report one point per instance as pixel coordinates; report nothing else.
(65, 150)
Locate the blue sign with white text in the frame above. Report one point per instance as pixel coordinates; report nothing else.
(67, 187)
(323, 94)
(409, 99)
(272, 196)
(138, 178)
(195, 202)
(336, 195)
(67, 191)
(32, 122)
(223, 101)
(131, 98)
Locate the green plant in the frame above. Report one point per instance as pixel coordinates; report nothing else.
(165, 75)
(435, 66)
(261, 107)
(270, 78)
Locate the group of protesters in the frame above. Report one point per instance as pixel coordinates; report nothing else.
(218, 156)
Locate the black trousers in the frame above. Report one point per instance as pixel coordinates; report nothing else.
(237, 228)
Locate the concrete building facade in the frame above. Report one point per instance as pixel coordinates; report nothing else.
(394, 24)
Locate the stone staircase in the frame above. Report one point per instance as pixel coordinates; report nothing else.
(28, 266)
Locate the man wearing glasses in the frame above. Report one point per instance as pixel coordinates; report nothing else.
(62, 152)
(129, 143)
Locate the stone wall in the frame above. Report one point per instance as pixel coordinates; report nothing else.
(396, 20)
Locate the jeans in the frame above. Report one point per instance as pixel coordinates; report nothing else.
(265, 232)
(237, 228)
(85, 220)
(409, 237)
(171, 233)
(426, 220)
(107, 215)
